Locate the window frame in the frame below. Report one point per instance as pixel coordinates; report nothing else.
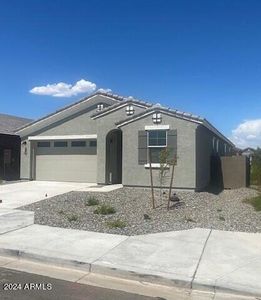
(47, 143)
(65, 144)
(93, 146)
(100, 107)
(157, 146)
(217, 146)
(129, 110)
(75, 145)
(157, 118)
(149, 147)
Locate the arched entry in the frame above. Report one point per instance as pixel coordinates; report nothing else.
(114, 157)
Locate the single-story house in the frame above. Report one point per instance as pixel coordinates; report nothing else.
(248, 152)
(104, 138)
(10, 146)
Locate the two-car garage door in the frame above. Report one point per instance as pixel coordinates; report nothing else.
(67, 160)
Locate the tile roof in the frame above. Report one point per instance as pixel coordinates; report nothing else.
(8, 123)
(164, 109)
(116, 97)
(124, 101)
(178, 114)
(150, 107)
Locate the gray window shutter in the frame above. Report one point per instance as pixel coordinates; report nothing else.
(142, 147)
(172, 142)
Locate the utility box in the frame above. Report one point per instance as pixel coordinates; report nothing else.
(235, 171)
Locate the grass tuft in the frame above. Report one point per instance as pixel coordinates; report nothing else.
(116, 224)
(105, 209)
(72, 218)
(189, 219)
(91, 201)
(255, 202)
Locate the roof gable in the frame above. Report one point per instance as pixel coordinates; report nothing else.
(176, 114)
(119, 105)
(8, 123)
(77, 107)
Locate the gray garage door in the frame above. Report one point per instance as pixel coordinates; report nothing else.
(66, 161)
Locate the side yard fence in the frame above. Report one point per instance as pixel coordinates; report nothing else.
(230, 172)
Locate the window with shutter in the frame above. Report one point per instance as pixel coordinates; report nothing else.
(155, 141)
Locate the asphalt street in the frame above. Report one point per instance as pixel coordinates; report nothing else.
(16, 285)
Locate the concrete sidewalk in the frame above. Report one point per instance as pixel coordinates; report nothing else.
(26, 192)
(197, 258)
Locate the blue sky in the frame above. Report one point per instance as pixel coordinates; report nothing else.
(198, 56)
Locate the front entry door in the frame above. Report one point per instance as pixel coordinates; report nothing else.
(114, 157)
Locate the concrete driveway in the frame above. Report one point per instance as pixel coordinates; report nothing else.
(22, 193)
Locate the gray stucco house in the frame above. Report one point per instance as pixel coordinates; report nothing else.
(104, 139)
(10, 146)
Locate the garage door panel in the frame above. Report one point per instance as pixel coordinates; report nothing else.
(66, 167)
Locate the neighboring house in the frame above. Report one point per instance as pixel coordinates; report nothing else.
(249, 152)
(10, 146)
(104, 139)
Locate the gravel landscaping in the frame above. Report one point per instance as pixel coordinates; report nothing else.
(134, 214)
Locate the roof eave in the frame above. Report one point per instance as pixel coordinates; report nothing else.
(118, 106)
(117, 98)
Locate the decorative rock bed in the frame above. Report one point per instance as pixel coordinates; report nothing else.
(135, 216)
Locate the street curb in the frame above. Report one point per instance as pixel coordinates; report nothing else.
(59, 262)
(128, 273)
(132, 273)
(15, 219)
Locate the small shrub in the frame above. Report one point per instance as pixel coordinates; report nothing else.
(116, 224)
(189, 219)
(91, 201)
(255, 202)
(255, 175)
(219, 210)
(146, 217)
(61, 212)
(105, 209)
(221, 218)
(72, 218)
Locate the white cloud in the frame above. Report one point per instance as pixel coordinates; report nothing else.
(104, 90)
(63, 89)
(247, 134)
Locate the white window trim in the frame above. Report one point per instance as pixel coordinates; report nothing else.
(217, 145)
(155, 166)
(157, 127)
(129, 110)
(214, 144)
(160, 146)
(157, 118)
(100, 107)
(62, 137)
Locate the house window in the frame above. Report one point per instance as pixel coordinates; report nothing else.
(100, 106)
(213, 143)
(60, 144)
(157, 141)
(129, 110)
(43, 144)
(93, 143)
(217, 146)
(156, 118)
(225, 148)
(78, 144)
